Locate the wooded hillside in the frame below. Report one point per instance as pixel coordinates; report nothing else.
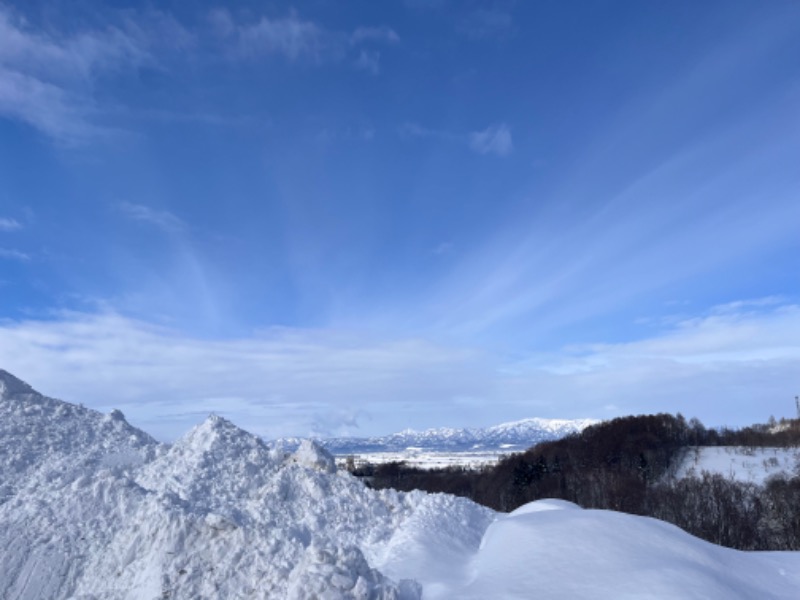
(625, 465)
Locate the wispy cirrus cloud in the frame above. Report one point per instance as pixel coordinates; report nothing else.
(725, 366)
(12, 254)
(65, 57)
(299, 39)
(495, 139)
(47, 77)
(414, 130)
(567, 267)
(52, 109)
(369, 61)
(290, 36)
(162, 219)
(7, 224)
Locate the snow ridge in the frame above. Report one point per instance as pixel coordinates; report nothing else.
(73, 438)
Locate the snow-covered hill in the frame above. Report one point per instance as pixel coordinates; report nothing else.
(92, 508)
(749, 465)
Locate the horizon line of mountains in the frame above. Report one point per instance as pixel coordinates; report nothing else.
(505, 437)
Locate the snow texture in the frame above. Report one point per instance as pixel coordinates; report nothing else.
(92, 508)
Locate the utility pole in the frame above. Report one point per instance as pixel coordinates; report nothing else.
(797, 404)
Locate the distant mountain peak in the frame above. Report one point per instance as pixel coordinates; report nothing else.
(511, 436)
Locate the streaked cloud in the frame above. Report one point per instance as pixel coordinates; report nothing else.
(11, 254)
(53, 110)
(7, 224)
(47, 76)
(289, 36)
(369, 61)
(57, 57)
(726, 367)
(162, 219)
(563, 267)
(495, 139)
(411, 130)
(298, 39)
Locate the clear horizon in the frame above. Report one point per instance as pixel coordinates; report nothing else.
(350, 220)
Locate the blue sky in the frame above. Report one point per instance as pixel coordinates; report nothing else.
(357, 217)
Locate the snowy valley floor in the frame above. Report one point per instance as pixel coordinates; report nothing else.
(92, 508)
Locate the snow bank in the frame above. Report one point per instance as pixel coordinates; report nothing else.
(575, 553)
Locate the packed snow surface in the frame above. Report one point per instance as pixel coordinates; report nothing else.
(92, 508)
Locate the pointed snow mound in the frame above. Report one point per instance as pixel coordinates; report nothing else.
(11, 386)
(215, 461)
(313, 456)
(41, 434)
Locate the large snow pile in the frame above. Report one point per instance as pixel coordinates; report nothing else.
(93, 508)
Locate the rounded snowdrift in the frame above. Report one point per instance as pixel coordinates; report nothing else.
(547, 504)
(594, 554)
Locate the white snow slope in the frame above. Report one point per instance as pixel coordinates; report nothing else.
(91, 508)
(749, 465)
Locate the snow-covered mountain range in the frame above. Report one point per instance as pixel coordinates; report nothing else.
(506, 437)
(93, 508)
